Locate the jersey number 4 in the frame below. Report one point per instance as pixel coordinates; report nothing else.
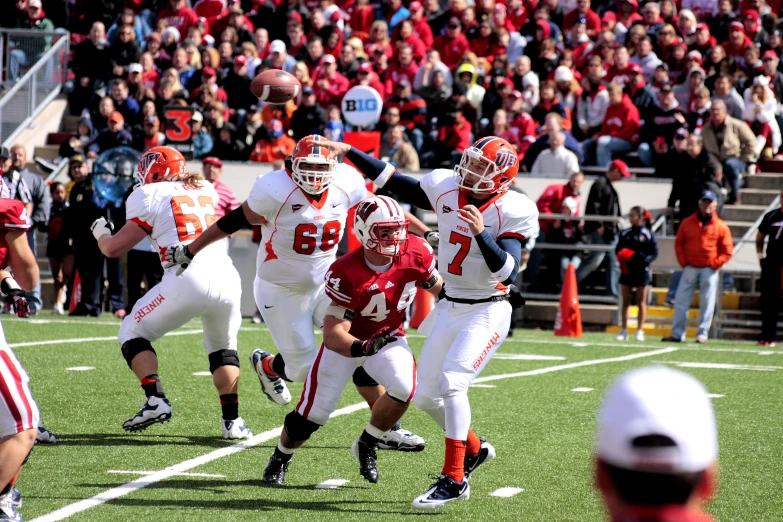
(306, 237)
(376, 309)
(455, 267)
(192, 218)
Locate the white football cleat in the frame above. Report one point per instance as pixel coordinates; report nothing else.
(640, 335)
(235, 429)
(274, 388)
(400, 439)
(156, 409)
(441, 493)
(623, 335)
(45, 436)
(8, 506)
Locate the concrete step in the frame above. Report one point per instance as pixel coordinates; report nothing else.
(741, 334)
(738, 228)
(744, 212)
(758, 196)
(69, 123)
(48, 152)
(546, 311)
(731, 300)
(764, 181)
(657, 314)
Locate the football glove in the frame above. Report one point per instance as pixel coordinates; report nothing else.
(178, 255)
(515, 298)
(100, 227)
(372, 345)
(432, 238)
(14, 297)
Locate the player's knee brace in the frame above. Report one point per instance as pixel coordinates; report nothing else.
(134, 347)
(362, 379)
(299, 428)
(222, 358)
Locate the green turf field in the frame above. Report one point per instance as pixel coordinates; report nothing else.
(542, 429)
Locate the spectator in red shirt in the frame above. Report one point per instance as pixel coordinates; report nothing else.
(453, 136)
(404, 35)
(296, 38)
(178, 15)
(582, 10)
(620, 131)
(486, 43)
(209, 82)
(738, 41)
(702, 41)
(451, 45)
(227, 199)
(211, 10)
(420, 26)
(378, 39)
(366, 76)
(501, 128)
(413, 111)
(628, 13)
(403, 69)
(315, 54)
(329, 85)
(618, 72)
(362, 16)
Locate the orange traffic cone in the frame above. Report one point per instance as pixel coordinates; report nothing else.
(422, 306)
(76, 293)
(569, 319)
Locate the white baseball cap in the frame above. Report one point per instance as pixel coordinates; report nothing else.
(571, 203)
(563, 74)
(277, 46)
(135, 68)
(657, 400)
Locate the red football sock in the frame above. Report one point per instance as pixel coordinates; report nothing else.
(371, 404)
(454, 466)
(473, 445)
(13, 480)
(266, 364)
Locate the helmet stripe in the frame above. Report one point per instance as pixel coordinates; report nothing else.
(316, 149)
(386, 202)
(480, 144)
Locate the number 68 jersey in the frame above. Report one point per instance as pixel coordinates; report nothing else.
(300, 237)
(173, 214)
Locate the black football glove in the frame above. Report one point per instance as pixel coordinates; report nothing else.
(372, 345)
(14, 297)
(515, 297)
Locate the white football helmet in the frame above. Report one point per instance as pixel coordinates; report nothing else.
(381, 226)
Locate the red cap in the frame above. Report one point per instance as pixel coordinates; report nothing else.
(201, 19)
(736, 26)
(502, 8)
(609, 16)
(240, 60)
(328, 58)
(116, 117)
(634, 68)
(770, 54)
(295, 16)
(415, 6)
(508, 83)
(516, 94)
(365, 67)
(634, 3)
(336, 17)
(622, 167)
(208, 71)
(212, 160)
(695, 56)
(703, 27)
(751, 14)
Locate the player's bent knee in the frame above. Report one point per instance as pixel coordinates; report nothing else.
(297, 373)
(362, 379)
(222, 358)
(424, 403)
(299, 428)
(453, 383)
(133, 347)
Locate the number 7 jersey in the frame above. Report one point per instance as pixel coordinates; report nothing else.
(173, 214)
(300, 237)
(460, 261)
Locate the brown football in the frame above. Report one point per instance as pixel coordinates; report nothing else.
(275, 86)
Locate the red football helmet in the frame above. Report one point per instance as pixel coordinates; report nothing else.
(378, 214)
(312, 167)
(158, 163)
(487, 167)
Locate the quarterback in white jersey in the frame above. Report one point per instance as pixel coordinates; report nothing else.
(302, 210)
(482, 229)
(174, 208)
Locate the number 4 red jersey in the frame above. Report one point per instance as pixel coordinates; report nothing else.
(379, 299)
(13, 216)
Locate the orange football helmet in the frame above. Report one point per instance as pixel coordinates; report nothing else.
(312, 167)
(158, 163)
(488, 166)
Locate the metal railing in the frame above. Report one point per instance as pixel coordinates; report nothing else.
(44, 75)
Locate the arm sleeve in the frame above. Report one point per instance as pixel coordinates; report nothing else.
(385, 176)
(138, 209)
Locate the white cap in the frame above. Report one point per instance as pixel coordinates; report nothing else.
(656, 400)
(134, 68)
(277, 46)
(563, 74)
(571, 203)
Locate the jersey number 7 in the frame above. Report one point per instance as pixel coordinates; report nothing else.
(192, 218)
(455, 267)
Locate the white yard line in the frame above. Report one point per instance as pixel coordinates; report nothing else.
(80, 368)
(506, 492)
(332, 484)
(715, 395)
(129, 472)
(722, 366)
(582, 390)
(483, 386)
(130, 487)
(93, 339)
(202, 374)
(526, 357)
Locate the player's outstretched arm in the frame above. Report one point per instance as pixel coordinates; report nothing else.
(119, 243)
(338, 339)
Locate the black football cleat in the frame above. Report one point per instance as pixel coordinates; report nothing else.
(485, 455)
(275, 470)
(368, 466)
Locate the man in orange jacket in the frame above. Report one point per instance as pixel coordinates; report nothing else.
(703, 245)
(277, 145)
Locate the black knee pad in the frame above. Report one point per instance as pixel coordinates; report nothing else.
(299, 428)
(223, 358)
(361, 378)
(134, 347)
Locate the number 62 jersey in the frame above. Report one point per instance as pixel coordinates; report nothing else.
(300, 237)
(173, 214)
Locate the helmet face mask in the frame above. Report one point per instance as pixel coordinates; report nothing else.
(312, 167)
(487, 167)
(388, 238)
(381, 226)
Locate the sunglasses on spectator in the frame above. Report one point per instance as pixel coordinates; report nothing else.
(679, 137)
(450, 26)
(768, 60)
